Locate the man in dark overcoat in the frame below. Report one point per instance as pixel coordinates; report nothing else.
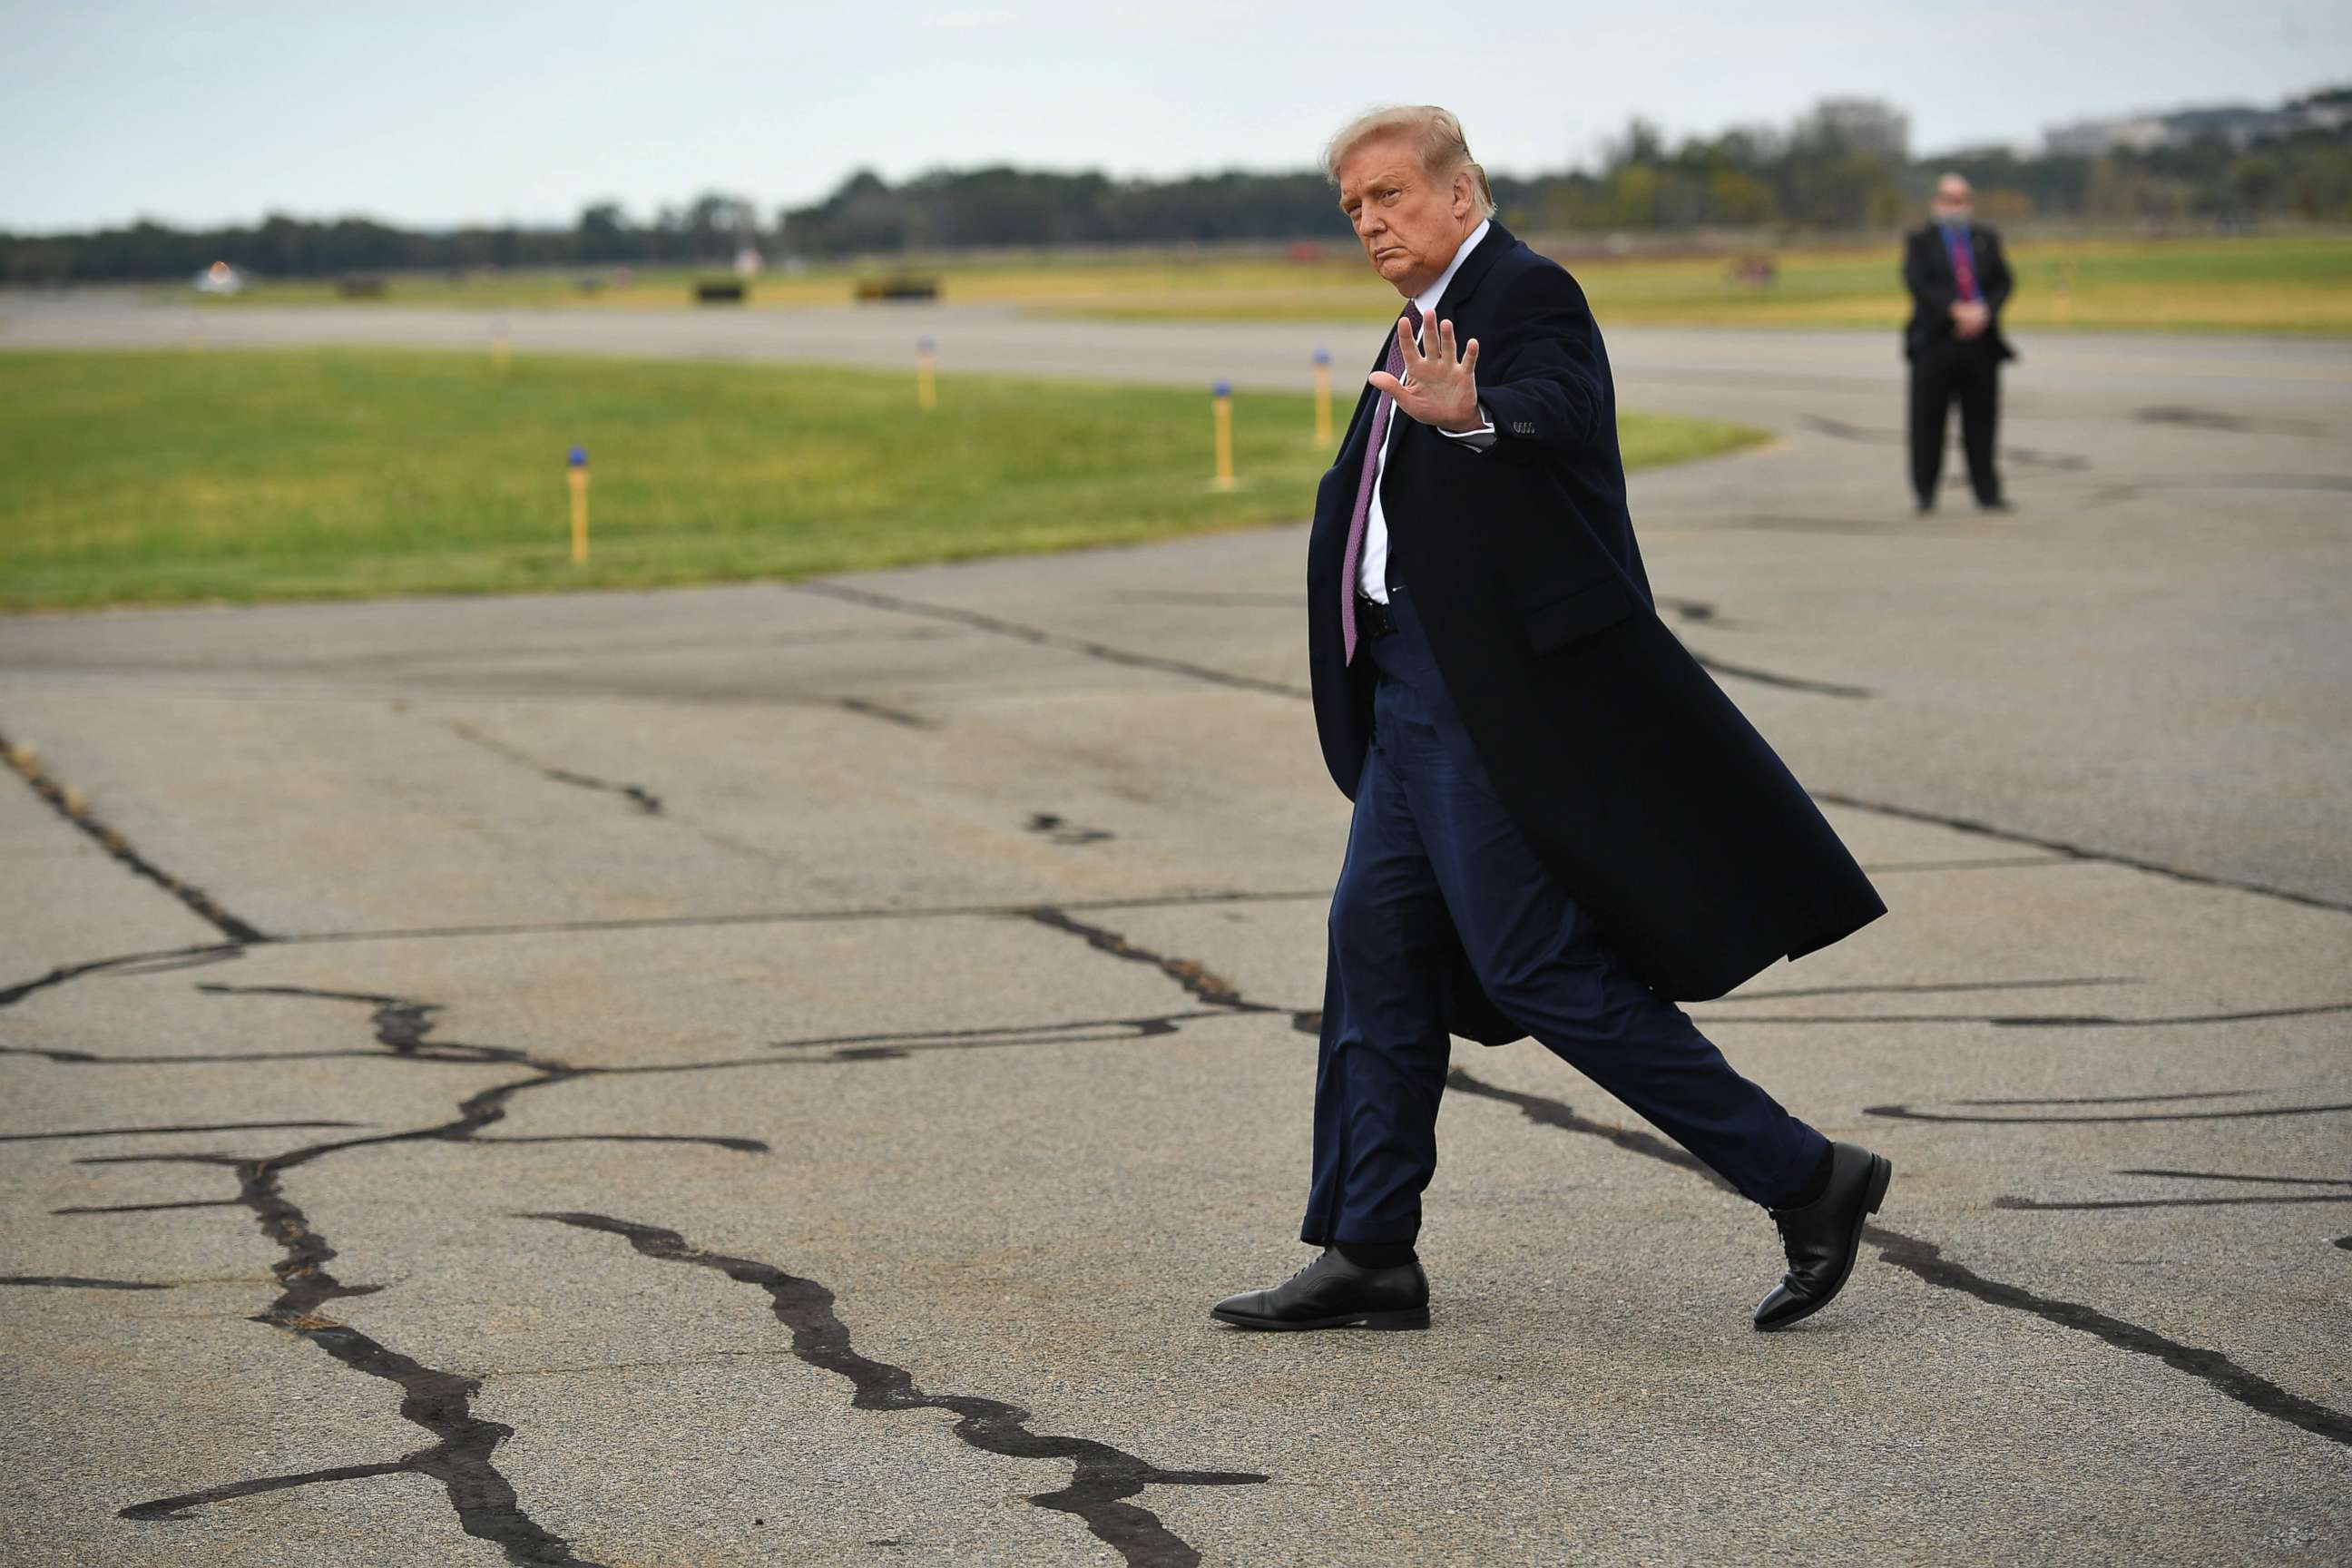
(1959, 281)
(1561, 825)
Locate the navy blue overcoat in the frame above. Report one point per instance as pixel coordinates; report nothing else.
(1641, 787)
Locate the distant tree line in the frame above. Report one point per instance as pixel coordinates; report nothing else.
(1809, 178)
(709, 230)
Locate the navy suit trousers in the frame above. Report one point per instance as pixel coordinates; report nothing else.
(1432, 858)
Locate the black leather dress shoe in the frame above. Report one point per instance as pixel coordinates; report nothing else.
(1333, 1293)
(1822, 1237)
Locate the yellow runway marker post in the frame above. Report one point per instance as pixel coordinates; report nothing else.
(927, 374)
(578, 506)
(1322, 398)
(1222, 405)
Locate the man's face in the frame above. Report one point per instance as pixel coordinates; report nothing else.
(1954, 202)
(1410, 224)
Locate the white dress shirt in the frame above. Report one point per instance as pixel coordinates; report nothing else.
(1371, 571)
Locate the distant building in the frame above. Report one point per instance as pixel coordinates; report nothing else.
(1868, 124)
(2236, 124)
(2090, 138)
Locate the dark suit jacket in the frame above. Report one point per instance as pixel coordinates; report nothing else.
(1927, 273)
(1657, 805)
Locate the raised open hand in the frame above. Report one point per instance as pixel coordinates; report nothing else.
(1439, 388)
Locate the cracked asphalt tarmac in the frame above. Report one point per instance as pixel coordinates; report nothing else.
(778, 1073)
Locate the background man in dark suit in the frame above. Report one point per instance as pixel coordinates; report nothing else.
(1958, 282)
(1560, 823)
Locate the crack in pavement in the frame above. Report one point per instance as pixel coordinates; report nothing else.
(469, 657)
(2132, 489)
(2236, 1176)
(67, 1058)
(867, 709)
(440, 1402)
(894, 1045)
(2215, 419)
(1988, 863)
(1918, 988)
(1041, 637)
(2040, 1020)
(76, 1282)
(217, 952)
(459, 1459)
(2126, 1099)
(1837, 527)
(1906, 1113)
(157, 960)
(2024, 456)
(1785, 682)
(2216, 1371)
(1240, 598)
(1196, 978)
(1926, 1261)
(1228, 598)
(1102, 1479)
(644, 800)
(2075, 851)
(70, 805)
(2008, 1201)
(2035, 1203)
(1061, 830)
(213, 952)
(860, 1047)
(159, 1132)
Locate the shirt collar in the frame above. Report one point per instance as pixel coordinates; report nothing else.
(1426, 301)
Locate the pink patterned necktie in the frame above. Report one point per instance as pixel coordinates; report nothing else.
(1354, 556)
(1964, 265)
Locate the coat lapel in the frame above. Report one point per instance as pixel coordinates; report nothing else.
(1940, 254)
(1474, 271)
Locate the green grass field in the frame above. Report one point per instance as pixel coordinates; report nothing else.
(2255, 285)
(160, 478)
(2259, 283)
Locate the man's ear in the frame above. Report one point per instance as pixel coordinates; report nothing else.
(1465, 193)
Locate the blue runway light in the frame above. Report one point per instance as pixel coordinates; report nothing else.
(579, 456)
(1223, 389)
(924, 345)
(1322, 356)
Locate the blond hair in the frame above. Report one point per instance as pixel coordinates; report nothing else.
(1433, 133)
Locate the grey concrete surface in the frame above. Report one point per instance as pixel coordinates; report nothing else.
(777, 1073)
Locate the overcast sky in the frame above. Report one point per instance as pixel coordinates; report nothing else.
(433, 114)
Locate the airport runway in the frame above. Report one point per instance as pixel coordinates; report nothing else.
(777, 1073)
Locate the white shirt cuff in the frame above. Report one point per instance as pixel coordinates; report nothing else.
(1476, 440)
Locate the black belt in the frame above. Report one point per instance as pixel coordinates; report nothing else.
(1373, 617)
